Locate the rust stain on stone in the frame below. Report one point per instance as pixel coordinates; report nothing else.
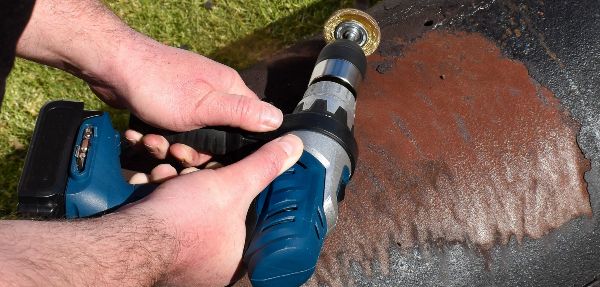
(457, 145)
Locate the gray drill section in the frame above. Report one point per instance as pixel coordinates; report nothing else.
(325, 149)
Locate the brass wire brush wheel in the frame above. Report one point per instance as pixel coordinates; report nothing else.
(355, 25)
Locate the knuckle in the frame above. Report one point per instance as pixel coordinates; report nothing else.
(217, 187)
(270, 161)
(205, 105)
(243, 109)
(274, 159)
(234, 76)
(231, 76)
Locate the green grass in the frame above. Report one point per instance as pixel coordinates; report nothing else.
(237, 33)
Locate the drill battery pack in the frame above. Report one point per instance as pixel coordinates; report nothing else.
(45, 173)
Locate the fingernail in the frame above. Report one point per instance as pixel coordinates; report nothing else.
(188, 170)
(184, 162)
(287, 143)
(139, 178)
(131, 141)
(187, 157)
(132, 136)
(151, 148)
(162, 172)
(292, 146)
(271, 117)
(213, 165)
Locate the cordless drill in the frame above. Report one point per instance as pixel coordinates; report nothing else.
(298, 210)
(294, 213)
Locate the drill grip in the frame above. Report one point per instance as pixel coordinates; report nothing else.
(291, 226)
(209, 140)
(218, 140)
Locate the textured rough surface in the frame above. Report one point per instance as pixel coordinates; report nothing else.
(556, 44)
(458, 145)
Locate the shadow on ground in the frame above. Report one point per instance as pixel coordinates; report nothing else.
(264, 42)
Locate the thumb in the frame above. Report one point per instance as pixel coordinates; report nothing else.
(248, 177)
(245, 112)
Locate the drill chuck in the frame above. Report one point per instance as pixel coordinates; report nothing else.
(341, 61)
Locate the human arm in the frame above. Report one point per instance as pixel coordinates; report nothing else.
(202, 213)
(115, 250)
(164, 86)
(189, 232)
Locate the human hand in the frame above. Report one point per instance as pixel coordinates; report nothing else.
(189, 232)
(206, 211)
(179, 90)
(164, 86)
(169, 88)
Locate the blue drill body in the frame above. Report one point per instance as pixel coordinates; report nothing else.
(291, 226)
(98, 186)
(291, 222)
(298, 210)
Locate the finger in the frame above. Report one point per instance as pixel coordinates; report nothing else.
(213, 165)
(128, 174)
(245, 91)
(238, 111)
(133, 137)
(188, 170)
(156, 145)
(139, 178)
(226, 79)
(246, 178)
(237, 85)
(241, 89)
(162, 172)
(187, 155)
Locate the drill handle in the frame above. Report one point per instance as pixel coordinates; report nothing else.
(213, 140)
(291, 226)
